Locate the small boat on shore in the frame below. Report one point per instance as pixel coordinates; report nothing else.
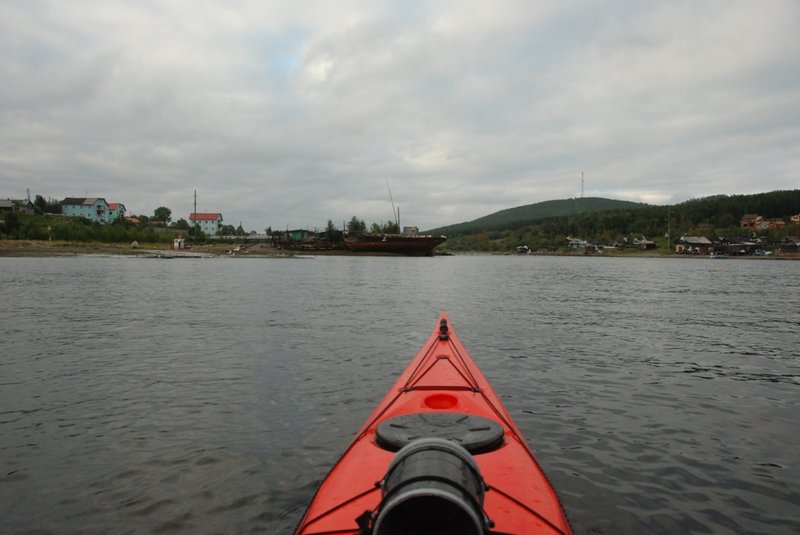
(440, 454)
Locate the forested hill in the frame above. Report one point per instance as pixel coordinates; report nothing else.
(531, 213)
(547, 224)
(724, 210)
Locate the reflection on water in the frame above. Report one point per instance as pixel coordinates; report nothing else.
(202, 396)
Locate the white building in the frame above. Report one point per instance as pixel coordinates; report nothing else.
(209, 223)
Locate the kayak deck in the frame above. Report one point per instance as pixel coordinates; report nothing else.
(442, 379)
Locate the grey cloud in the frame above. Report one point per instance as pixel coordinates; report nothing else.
(293, 115)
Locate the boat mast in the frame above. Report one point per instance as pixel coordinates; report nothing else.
(395, 213)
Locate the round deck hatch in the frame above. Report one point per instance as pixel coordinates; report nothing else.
(475, 434)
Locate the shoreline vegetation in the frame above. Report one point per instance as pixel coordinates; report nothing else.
(766, 225)
(50, 249)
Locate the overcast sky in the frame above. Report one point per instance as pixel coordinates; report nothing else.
(293, 113)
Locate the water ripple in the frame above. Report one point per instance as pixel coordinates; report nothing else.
(140, 397)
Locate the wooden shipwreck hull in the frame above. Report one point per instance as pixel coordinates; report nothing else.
(394, 243)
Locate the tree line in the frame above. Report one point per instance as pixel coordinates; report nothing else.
(712, 217)
(141, 227)
(46, 223)
(53, 227)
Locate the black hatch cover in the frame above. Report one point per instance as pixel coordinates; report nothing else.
(476, 434)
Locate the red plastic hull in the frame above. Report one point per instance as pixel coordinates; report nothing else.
(442, 377)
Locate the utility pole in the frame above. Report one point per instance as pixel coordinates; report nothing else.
(669, 230)
(195, 214)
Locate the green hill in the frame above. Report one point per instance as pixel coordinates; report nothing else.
(546, 225)
(521, 216)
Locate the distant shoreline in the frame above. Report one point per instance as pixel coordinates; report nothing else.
(634, 255)
(45, 249)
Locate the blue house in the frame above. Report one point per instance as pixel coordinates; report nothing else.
(92, 208)
(115, 210)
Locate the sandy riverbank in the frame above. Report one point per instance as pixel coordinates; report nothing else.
(33, 248)
(44, 249)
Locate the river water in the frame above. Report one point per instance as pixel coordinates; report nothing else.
(212, 395)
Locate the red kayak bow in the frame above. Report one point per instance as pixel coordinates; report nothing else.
(439, 455)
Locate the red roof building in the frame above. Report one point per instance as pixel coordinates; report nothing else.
(209, 223)
(751, 221)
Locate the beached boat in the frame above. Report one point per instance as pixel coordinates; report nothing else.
(422, 245)
(440, 454)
